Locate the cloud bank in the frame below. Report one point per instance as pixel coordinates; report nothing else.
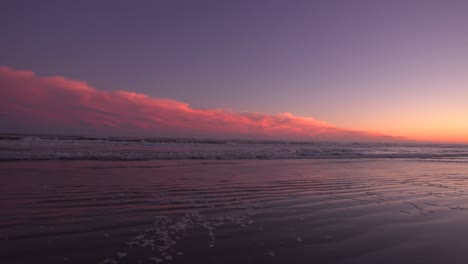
(35, 104)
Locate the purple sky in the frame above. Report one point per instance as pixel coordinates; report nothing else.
(369, 65)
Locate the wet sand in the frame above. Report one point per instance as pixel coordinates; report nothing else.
(272, 211)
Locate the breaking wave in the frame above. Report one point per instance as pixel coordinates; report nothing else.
(53, 147)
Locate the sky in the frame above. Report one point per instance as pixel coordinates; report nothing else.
(333, 70)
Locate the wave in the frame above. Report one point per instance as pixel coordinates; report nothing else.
(8, 155)
(14, 147)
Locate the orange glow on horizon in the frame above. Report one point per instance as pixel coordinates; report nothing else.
(56, 101)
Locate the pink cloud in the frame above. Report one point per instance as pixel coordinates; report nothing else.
(56, 104)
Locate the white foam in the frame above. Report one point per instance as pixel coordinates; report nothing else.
(76, 148)
(108, 261)
(155, 259)
(121, 254)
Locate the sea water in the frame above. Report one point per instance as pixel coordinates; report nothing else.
(116, 200)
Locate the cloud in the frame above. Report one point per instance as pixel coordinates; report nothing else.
(30, 103)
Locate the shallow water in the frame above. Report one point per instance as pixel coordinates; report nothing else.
(52, 147)
(247, 211)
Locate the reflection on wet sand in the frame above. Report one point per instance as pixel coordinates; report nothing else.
(295, 211)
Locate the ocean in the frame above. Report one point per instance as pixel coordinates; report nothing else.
(53, 147)
(76, 199)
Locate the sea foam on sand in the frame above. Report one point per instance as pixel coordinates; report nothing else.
(281, 211)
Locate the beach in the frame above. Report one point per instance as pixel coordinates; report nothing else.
(234, 211)
(233, 132)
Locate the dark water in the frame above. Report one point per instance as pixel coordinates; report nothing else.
(248, 211)
(53, 147)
